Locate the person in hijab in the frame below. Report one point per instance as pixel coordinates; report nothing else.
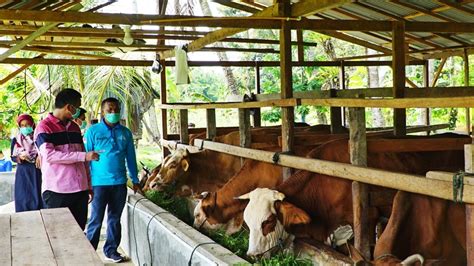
(28, 176)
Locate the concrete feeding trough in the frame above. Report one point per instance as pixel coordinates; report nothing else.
(151, 235)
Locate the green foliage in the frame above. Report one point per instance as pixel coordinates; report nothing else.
(285, 259)
(178, 206)
(237, 243)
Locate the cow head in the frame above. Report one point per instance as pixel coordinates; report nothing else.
(267, 216)
(208, 216)
(174, 166)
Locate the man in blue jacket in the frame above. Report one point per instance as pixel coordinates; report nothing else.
(114, 142)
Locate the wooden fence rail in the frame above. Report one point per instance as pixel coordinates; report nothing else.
(400, 181)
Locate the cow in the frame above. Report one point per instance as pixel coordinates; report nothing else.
(328, 200)
(220, 210)
(208, 170)
(433, 227)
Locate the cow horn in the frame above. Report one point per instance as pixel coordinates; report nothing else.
(412, 259)
(243, 197)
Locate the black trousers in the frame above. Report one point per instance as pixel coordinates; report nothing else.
(76, 202)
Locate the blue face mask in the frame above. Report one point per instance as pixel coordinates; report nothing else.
(77, 113)
(25, 131)
(83, 125)
(112, 117)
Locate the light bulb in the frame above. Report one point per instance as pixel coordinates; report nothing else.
(127, 38)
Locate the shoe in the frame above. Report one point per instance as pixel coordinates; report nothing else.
(115, 258)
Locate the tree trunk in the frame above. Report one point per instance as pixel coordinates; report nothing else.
(373, 82)
(229, 75)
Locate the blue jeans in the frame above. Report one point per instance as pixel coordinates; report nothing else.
(112, 197)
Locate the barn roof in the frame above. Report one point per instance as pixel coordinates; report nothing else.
(77, 31)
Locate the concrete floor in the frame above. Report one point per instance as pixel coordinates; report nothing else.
(100, 250)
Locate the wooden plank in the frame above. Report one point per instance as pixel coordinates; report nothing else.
(360, 191)
(183, 126)
(279, 102)
(448, 177)
(400, 181)
(27, 235)
(320, 253)
(399, 76)
(68, 242)
(5, 240)
(211, 131)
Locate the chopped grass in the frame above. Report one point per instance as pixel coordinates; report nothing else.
(237, 243)
(285, 259)
(176, 205)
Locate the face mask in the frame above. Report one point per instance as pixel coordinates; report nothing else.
(112, 118)
(83, 125)
(76, 114)
(25, 131)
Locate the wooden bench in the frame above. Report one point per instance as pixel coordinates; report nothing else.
(46, 237)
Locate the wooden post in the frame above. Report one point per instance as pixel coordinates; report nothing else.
(466, 83)
(398, 69)
(287, 113)
(164, 112)
(469, 168)
(336, 118)
(299, 38)
(244, 128)
(257, 120)
(183, 126)
(426, 83)
(211, 130)
(360, 194)
(342, 86)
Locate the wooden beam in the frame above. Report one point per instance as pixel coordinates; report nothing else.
(466, 83)
(211, 124)
(360, 191)
(399, 76)
(236, 5)
(469, 168)
(336, 116)
(244, 128)
(16, 72)
(299, 9)
(164, 112)
(426, 83)
(257, 120)
(438, 72)
(183, 126)
(457, 6)
(400, 181)
(27, 40)
(286, 83)
(299, 37)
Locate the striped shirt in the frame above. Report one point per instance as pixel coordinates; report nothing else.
(63, 157)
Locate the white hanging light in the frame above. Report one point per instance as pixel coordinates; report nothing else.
(127, 38)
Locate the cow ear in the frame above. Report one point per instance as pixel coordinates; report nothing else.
(243, 197)
(185, 165)
(269, 224)
(201, 196)
(289, 214)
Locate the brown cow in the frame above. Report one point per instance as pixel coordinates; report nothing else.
(208, 170)
(328, 200)
(433, 227)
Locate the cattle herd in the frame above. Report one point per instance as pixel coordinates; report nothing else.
(405, 228)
